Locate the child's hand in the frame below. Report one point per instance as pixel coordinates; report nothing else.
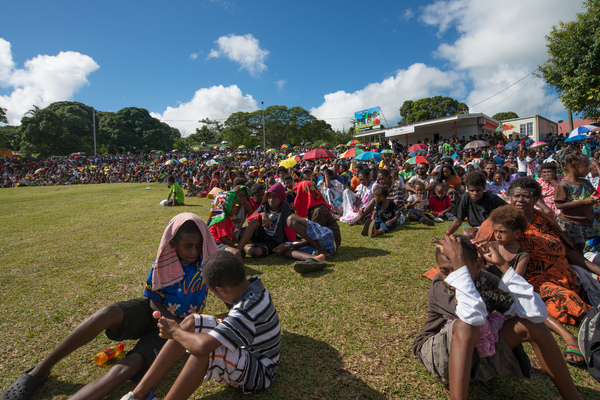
(167, 327)
(435, 240)
(266, 221)
(451, 247)
(490, 253)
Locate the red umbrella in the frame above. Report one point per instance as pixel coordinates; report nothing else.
(317, 154)
(418, 146)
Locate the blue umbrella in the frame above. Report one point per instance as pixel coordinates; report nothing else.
(575, 138)
(416, 153)
(368, 155)
(512, 145)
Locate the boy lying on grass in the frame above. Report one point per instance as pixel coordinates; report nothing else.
(240, 348)
(466, 336)
(185, 243)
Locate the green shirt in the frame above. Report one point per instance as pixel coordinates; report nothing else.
(177, 192)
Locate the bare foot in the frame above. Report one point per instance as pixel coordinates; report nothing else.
(320, 257)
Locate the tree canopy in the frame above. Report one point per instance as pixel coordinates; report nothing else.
(573, 64)
(503, 116)
(430, 108)
(3, 118)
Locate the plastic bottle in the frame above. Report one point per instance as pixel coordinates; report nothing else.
(108, 354)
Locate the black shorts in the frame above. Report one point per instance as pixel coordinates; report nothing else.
(263, 241)
(138, 324)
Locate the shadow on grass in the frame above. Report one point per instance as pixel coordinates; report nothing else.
(308, 369)
(351, 253)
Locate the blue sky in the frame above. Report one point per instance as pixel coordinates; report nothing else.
(186, 60)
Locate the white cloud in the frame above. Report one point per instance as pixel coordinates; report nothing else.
(244, 50)
(408, 14)
(43, 80)
(217, 103)
(193, 56)
(280, 84)
(415, 82)
(499, 43)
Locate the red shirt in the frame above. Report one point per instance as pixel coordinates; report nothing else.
(221, 229)
(438, 205)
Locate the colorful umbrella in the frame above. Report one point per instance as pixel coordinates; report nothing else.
(324, 145)
(417, 160)
(582, 129)
(159, 152)
(285, 146)
(223, 148)
(271, 151)
(368, 155)
(352, 143)
(387, 151)
(183, 160)
(416, 153)
(418, 146)
(288, 163)
(171, 162)
(37, 171)
(352, 153)
(317, 153)
(241, 146)
(575, 137)
(537, 144)
(475, 144)
(504, 127)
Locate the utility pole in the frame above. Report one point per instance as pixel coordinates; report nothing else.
(94, 128)
(263, 113)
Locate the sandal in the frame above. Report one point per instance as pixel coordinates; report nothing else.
(574, 351)
(23, 387)
(309, 265)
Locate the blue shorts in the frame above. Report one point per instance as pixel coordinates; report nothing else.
(381, 224)
(321, 235)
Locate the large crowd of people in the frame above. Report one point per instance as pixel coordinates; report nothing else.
(522, 269)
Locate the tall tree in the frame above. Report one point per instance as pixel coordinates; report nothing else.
(59, 129)
(430, 108)
(3, 118)
(573, 64)
(503, 116)
(134, 130)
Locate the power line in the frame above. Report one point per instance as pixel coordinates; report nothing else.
(506, 98)
(508, 87)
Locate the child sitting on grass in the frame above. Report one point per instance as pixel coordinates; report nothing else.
(176, 191)
(220, 224)
(509, 223)
(192, 190)
(417, 205)
(185, 244)
(266, 226)
(385, 216)
(440, 203)
(240, 348)
(319, 232)
(466, 336)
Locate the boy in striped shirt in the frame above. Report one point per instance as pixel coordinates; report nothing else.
(240, 348)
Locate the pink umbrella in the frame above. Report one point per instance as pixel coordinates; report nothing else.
(418, 146)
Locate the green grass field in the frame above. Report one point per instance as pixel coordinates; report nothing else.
(347, 330)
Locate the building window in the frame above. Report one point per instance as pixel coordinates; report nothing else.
(530, 129)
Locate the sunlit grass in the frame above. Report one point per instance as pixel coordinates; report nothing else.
(347, 331)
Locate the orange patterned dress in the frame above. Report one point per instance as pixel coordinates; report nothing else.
(548, 270)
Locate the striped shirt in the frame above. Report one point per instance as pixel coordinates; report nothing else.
(253, 324)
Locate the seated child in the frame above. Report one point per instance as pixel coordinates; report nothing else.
(192, 190)
(319, 232)
(185, 244)
(509, 223)
(220, 224)
(498, 185)
(290, 195)
(266, 226)
(240, 348)
(243, 207)
(258, 195)
(417, 204)
(475, 205)
(466, 312)
(385, 216)
(176, 191)
(440, 203)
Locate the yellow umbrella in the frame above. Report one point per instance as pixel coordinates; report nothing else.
(288, 163)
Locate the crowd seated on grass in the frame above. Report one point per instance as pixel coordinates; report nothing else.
(267, 202)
